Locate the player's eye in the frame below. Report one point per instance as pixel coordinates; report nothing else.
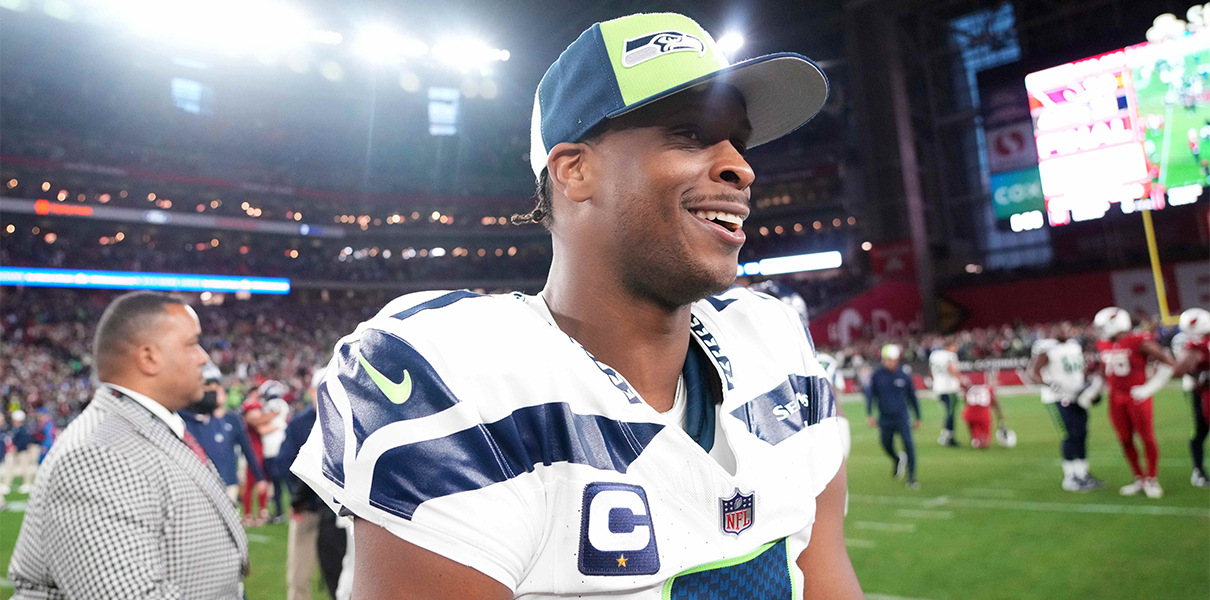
(689, 133)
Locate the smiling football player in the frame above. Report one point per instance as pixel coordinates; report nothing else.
(639, 429)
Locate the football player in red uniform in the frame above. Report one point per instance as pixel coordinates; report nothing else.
(980, 403)
(1123, 360)
(1192, 347)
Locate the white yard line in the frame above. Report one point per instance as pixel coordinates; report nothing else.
(886, 597)
(938, 501)
(991, 503)
(258, 538)
(856, 543)
(988, 492)
(906, 513)
(887, 527)
(16, 506)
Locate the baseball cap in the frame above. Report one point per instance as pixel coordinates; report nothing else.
(618, 66)
(890, 351)
(211, 373)
(18, 415)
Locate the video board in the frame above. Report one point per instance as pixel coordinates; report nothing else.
(1129, 128)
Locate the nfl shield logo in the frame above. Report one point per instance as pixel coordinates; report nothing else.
(737, 512)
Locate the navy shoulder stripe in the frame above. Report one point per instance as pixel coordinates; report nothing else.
(783, 411)
(333, 431)
(401, 386)
(438, 302)
(407, 476)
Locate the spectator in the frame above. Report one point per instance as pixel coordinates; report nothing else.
(46, 433)
(128, 504)
(23, 461)
(220, 433)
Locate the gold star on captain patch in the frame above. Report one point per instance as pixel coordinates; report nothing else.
(622, 560)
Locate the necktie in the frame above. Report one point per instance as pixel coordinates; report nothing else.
(196, 447)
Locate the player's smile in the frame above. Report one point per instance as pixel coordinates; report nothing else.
(727, 222)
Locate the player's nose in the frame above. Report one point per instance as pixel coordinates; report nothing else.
(730, 167)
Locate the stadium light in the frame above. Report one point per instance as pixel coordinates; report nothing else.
(381, 44)
(325, 37)
(223, 24)
(797, 263)
(465, 54)
(730, 43)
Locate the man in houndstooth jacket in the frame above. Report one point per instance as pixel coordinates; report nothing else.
(127, 504)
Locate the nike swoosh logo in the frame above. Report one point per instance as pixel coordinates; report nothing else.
(397, 393)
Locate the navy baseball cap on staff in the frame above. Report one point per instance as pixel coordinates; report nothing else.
(620, 65)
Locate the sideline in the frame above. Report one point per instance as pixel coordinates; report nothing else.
(988, 503)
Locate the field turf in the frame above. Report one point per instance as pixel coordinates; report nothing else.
(994, 524)
(985, 524)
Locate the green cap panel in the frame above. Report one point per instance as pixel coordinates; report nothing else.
(647, 63)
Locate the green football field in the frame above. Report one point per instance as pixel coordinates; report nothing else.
(990, 524)
(994, 524)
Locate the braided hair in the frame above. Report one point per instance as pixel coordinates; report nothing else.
(541, 213)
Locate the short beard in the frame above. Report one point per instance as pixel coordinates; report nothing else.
(669, 294)
(660, 271)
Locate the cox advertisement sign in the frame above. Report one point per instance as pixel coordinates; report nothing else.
(1016, 192)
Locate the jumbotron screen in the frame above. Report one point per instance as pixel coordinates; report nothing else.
(1129, 127)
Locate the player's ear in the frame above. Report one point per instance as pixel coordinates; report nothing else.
(568, 173)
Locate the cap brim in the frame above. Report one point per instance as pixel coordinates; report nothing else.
(782, 92)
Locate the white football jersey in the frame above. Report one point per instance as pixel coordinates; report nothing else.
(271, 442)
(1064, 369)
(944, 382)
(471, 426)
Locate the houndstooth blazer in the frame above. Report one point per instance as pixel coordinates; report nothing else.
(122, 508)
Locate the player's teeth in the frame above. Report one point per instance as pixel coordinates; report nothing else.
(730, 218)
(714, 215)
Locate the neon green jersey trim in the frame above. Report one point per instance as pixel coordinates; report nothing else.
(665, 71)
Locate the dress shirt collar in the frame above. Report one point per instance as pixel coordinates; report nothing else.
(173, 420)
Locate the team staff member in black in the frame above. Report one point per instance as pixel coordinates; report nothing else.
(891, 389)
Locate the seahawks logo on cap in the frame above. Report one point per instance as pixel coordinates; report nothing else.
(644, 48)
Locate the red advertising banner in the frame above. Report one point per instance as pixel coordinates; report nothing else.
(889, 309)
